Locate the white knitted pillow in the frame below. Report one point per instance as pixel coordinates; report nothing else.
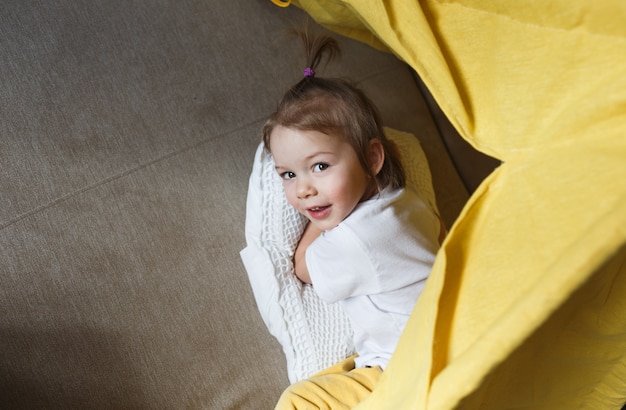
(314, 335)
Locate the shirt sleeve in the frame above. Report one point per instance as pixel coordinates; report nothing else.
(339, 267)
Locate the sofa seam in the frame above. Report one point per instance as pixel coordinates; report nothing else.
(103, 182)
(376, 74)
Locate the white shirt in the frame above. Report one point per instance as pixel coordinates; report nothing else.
(375, 264)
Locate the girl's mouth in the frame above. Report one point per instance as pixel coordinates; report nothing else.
(318, 212)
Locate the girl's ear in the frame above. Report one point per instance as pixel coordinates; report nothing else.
(376, 155)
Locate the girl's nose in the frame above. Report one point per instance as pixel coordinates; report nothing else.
(304, 188)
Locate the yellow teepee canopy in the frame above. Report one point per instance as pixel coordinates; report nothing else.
(526, 305)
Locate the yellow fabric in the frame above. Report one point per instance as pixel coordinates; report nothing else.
(339, 387)
(282, 3)
(525, 306)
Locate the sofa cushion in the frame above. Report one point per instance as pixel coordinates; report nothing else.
(128, 132)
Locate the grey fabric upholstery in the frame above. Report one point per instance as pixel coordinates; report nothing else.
(127, 132)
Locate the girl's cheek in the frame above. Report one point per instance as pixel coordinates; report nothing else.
(290, 197)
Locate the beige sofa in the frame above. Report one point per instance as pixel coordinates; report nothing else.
(127, 133)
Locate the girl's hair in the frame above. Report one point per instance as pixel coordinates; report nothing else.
(335, 107)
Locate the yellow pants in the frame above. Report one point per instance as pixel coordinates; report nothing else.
(339, 387)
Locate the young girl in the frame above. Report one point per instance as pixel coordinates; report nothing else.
(370, 242)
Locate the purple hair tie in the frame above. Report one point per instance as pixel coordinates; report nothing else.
(308, 72)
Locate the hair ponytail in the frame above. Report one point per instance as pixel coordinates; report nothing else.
(315, 48)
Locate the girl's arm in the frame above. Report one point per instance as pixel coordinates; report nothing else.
(310, 234)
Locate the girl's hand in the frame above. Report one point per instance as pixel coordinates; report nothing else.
(310, 234)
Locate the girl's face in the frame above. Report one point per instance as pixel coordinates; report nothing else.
(322, 176)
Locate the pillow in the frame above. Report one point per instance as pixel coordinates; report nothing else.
(314, 335)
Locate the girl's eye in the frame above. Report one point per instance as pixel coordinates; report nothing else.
(287, 175)
(320, 167)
